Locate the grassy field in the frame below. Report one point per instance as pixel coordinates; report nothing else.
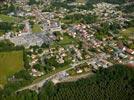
(6, 18)
(128, 31)
(36, 28)
(10, 63)
(66, 41)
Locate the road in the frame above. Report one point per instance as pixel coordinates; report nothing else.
(77, 77)
(41, 83)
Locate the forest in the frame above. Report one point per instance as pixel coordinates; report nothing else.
(114, 83)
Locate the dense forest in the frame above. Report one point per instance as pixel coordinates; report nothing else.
(114, 83)
(108, 1)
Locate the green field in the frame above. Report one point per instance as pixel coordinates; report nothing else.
(6, 18)
(66, 41)
(128, 31)
(36, 28)
(10, 63)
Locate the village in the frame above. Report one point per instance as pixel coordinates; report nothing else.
(79, 47)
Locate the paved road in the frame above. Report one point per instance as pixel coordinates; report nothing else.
(41, 83)
(77, 77)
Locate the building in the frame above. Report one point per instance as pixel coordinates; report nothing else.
(31, 40)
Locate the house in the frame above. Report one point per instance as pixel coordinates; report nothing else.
(131, 64)
(130, 51)
(78, 70)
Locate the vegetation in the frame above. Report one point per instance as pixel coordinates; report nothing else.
(114, 83)
(7, 8)
(36, 28)
(10, 63)
(47, 91)
(8, 19)
(20, 79)
(12, 60)
(130, 23)
(80, 1)
(31, 2)
(79, 18)
(90, 2)
(66, 40)
(6, 27)
(129, 8)
(128, 31)
(7, 46)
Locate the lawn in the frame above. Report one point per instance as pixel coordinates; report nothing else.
(66, 41)
(36, 28)
(6, 18)
(10, 63)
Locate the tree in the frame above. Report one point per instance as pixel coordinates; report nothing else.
(31, 2)
(47, 91)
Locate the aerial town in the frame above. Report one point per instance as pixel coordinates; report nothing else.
(62, 41)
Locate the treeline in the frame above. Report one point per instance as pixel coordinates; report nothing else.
(129, 8)
(80, 18)
(114, 83)
(6, 26)
(7, 8)
(6, 46)
(90, 2)
(22, 77)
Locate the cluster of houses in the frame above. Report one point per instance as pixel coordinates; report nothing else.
(100, 61)
(109, 12)
(105, 10)
(36, 73)
(86, 33)
(97, 63)
(47, 20)
(27, 38)
(77, 53)
(80, 28)
(61, 55)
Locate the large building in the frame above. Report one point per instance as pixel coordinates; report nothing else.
(31, 40)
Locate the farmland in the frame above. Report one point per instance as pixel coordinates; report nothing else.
(10, 63)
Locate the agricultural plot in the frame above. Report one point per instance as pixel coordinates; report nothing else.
(10, 63)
